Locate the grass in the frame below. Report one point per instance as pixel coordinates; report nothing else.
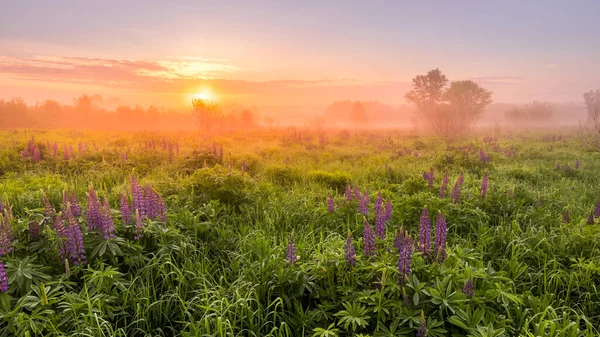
(218, 266)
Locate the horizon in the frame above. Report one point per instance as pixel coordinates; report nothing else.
(278, 56)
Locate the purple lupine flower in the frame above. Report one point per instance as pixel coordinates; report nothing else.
(363, 204)
(378, 204)
(461, 179)
(93, 212)
(456, 192)
(2, 207)
(75, 248)
(61, 237)
(590, 220)
(404, 259)
(399, 238)
(348, 192)
(356, 193)
(138, 196)
(350, 252)
(71, 197)
(429, 176)
(291, 252)
(149, 202)
(55, 149)
(125, 209)
(6, 234)
(566, 217)
(388, 210)
(330, 204)
(577, 164)
(49, 211)
(66, 153)
(469, 288)
(243, 167)
(444, 187)
(139, 226)
(368, 239)
(3, 279)
(71, 151)
(425, 233)
(597, 214)
(160, 208)
(34, 230)
(484, 185)
(422, 332)
(426, 176)
(380, 225)
(439, 245)
(25, 152)
(107, 225)
(36, 155)
(124, 156)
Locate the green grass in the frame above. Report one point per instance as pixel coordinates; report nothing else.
(218, 267)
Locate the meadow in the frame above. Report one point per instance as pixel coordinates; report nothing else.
(298, 233)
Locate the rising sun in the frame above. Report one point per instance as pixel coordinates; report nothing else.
(203, 96)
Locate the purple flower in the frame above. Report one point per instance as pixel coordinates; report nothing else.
(422, 332)
(66, 153)
(597, 214)
(566, 217)
(149, 202)
(484, 185)
(74, 244)
(36, 155)
(469, 288)
(456, 192)
(243, 167)
(429, 176)
(380, 225)
(388, 210)
(444, 187)
(138, 196)
(368, 239)
(124, 156)
(425, 233)
(350, 252)
(107, 225)
(291, 252)
(590, 220)
(577, 164)
(71, 197)
(404, 258)
(378, 204)
(356, 193)
(139, 226)
(348, 192)
(2, 207)
(330, 204)
(461, 179)
(363, 204)
(439, 245)
(6, 234)
(3, 279)
(49, 212)
(125, 209)
(93, 213)
(61, 237)
(34, 230)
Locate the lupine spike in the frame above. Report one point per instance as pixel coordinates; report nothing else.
(422, 332)
(484, 185)
(139, 226)
(590, 220)
(6, 234)
(566, 217)
(330, 204)
(348, 192)
(75, 248)
(378, 204)
(368, 239)
(350, 252)
(456, 192)
(388, 210)
(404, 258)
(441, 230)
(3, 279)
(107, 225)
(125, 209)
(444, 187)
(469, 288)
(425, 233)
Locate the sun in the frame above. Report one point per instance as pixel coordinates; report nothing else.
(203, 96)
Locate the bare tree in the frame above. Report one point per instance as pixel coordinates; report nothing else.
(207, 114)
(592, 103)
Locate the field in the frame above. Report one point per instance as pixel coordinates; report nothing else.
(271, 234)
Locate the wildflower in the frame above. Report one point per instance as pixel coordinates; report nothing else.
(93, 213)
(566, 217)
(484, 185)
(422, 332)
(66, 153)
(439, 245)
(597, 213)
(34, 230)
(149, 202)
(107, 225)
(25, 153)
(138, 196)
(388, 210)
(469, 288)
(36, 155)
(1, 207)
(123, 156)
(461, 179)
(429, 177)
(71, 197)
(356, 193)
(74, 244)
(6, 234)
(139, 226)
(425, 233)
(404, 259)
(49, 211)
(399, 238)
(456, 192)
(577, 164)
(3, 279)
(243, 167)
(369, 239)
(380, 225)
(291, 251)
(444, 187)
(350, 253)
(378, 204)
(590, 220)
(330, 204)
(363, 204)
(348, 192)
(125, 209)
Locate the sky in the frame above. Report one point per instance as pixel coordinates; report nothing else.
(294, 53)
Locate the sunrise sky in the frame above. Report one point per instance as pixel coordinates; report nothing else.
(294, 53)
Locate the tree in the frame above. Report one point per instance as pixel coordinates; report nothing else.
(449, 111)
(207, 114)
(592, 104)
(359, 115)
(247, 118)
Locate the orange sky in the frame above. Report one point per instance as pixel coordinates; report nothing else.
(277, 54)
